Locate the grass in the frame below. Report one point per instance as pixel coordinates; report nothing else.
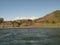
(43, 25)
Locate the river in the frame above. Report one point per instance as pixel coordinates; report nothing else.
(30, 36)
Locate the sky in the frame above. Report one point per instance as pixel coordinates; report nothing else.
(19, 9)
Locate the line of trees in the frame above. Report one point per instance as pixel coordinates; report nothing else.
(1, 20)
(27, 21)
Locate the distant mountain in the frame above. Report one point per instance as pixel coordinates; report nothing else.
(52, 17)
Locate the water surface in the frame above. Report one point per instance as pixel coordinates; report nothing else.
(30, 36)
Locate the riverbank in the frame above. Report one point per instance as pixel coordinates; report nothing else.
(37, 25)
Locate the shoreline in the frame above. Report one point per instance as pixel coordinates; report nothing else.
(28, 27)
(38, 25)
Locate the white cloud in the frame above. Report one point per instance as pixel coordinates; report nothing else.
(20, 18)
(33, 18)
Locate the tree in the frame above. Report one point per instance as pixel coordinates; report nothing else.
(53, 21)
(1, 19)
(29, 20)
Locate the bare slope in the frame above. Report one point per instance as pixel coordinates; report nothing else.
(52, 17)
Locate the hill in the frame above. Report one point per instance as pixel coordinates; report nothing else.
(51, 20)
(52, 17)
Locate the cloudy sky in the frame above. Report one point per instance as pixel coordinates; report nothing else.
(18, 9)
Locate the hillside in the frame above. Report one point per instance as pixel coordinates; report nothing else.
(51, 20)
(52, 17)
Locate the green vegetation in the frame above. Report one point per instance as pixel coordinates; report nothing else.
(57, 13)
(1, 19)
